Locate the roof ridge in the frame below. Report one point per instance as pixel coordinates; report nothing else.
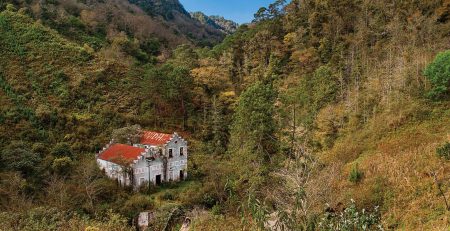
(124, 151)
(155, 138)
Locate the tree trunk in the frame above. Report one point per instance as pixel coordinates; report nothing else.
(185, 114)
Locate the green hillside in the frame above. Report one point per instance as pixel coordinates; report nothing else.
(319, 115)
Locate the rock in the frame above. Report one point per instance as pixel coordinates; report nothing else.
(186, 224)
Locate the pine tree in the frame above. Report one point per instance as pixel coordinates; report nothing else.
(253, 141)
(218, 128)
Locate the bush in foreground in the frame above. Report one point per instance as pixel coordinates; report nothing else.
(438, 73)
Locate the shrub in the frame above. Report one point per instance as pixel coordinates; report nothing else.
(62, 165)
(151, 46)
(148, 188)
(39, 148)
(10, 7)
(75, 22)
(438, 73)
(135, 204)
(352, 219)
(216, 209)
(62, 150)
(444, 151)
(168, 196)
(48, 218)
(209, 200)
(18, 157)
(355, 175)
(193, 196)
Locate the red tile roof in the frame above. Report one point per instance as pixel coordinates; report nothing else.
(118, 152)
(155, 138)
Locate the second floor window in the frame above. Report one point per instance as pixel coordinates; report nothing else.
(170, 153)
(181, 151)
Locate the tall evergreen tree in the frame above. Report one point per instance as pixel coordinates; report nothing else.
(219, 130)
(253, 141)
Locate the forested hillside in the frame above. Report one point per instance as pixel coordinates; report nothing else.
(153, 24)
(319, 115)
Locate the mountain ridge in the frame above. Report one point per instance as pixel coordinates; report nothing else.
(164, 20)
(219, 22)
(173, 12)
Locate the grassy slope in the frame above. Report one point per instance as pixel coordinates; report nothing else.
(396, 152)
(395, 149)
(396, 163)
(56, 81)
(391, 131)
(380, 120)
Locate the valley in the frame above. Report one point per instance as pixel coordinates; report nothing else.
(317, 115)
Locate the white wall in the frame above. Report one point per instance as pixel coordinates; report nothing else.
(113, 171)
(140, 171)
(156, 168)
(178, 162)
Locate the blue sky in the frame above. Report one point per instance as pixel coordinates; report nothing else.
(240, 11)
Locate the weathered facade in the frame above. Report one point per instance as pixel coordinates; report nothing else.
(157, 158)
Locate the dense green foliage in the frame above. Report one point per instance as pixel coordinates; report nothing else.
(355, 175)
(352, 219)
(253, 125)
(253, 141)
(444, 151)
(45, 218)
(438, 73)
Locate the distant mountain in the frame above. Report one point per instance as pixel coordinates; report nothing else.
(165, 8)
(217, 22)
(174, 13)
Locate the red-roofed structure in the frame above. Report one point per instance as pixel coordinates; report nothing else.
(120, 152)
(157, 158)
(155, 138)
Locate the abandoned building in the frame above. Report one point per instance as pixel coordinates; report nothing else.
(158, 158)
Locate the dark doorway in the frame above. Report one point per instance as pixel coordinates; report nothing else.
(158, 179)
(181, 175)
